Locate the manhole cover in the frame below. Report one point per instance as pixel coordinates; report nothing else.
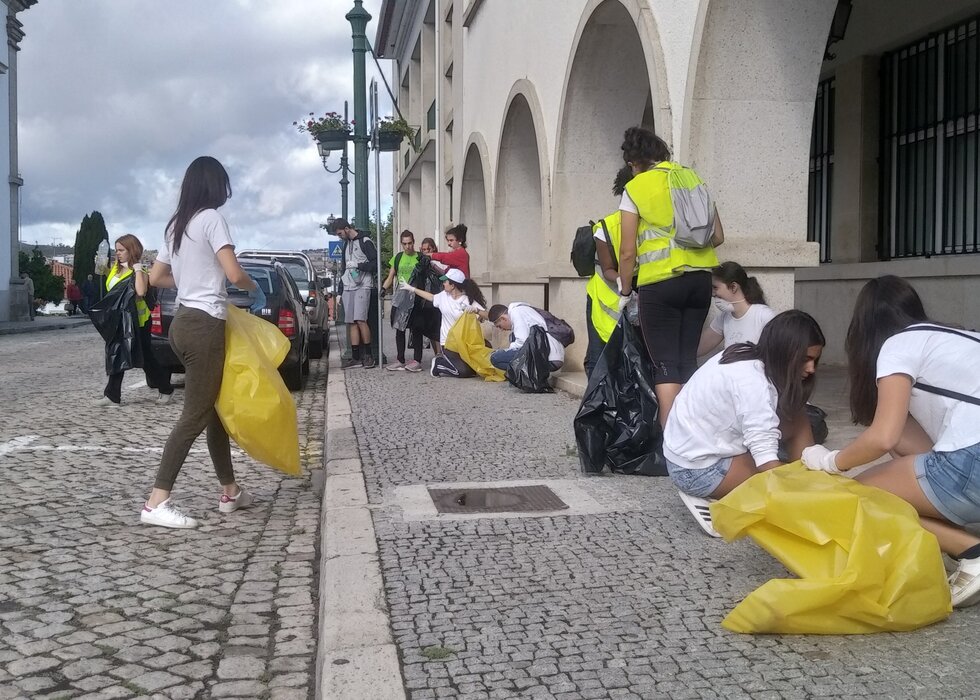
(505, 499)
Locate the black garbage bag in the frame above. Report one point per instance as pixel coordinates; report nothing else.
(616, 425)
(402, 305)
(818, 423)
(425, 318)
(114, 316)
(530, 369)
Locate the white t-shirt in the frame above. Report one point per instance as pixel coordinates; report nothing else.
(945, 361)
(742, 330)
(723, 411)
(523, 318)
(626, 203)
(451, 310)
(199, 276)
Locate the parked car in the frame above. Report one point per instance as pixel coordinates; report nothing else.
(284, 308)
(311, 287)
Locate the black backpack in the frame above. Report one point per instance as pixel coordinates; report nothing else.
(583, 250)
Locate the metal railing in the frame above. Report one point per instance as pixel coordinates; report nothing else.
(820, 199)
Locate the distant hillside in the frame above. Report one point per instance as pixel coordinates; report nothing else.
(49, 250)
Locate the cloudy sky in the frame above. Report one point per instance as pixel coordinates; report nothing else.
(117, 97)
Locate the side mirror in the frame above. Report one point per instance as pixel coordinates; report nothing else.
(311, 301)
(326, 282)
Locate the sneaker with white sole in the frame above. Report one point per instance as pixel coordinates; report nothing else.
(164, 399)
(700, 509)
(395, 367)
(964, 584)
(166, 515)
(229, 504)
(413, 366)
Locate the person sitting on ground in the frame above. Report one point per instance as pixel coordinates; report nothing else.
(519, 318)
(401, 266)
(915, 385)
(359, 260)
(458, 258)
(726, 423)
(742, 307)
(459, 295)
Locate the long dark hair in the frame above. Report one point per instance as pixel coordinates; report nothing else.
(782, 350)
(732, 273)
(643, 148)
(472, 290)
(884, 306)
(205, 186)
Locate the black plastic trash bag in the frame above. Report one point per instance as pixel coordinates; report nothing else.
(617, 425)
(425, 318)
(530, 368)
(818, 423)
(402, 304)
(115, 317)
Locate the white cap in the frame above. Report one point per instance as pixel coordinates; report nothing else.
(454, 275)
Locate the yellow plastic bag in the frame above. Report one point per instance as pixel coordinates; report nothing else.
(254, 404)
(466, 339)
(864, 562)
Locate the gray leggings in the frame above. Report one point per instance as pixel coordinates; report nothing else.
(198, 340)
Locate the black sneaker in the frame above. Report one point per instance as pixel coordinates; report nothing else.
(369, 362)
(347, 364)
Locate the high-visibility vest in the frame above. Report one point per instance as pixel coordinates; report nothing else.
(603, 293)
(658, 257)
(142, 310)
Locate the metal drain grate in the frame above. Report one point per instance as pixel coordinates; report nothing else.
(504, 499)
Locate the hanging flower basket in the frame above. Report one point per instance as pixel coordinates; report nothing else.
(391, 131)
(330, 130)
(333, 139)
(389, 141)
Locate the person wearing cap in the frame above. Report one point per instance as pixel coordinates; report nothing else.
(519, 318)
(359, 260)
(459, 296)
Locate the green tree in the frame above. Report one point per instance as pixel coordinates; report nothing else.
(91, 232)
(386, 244)
(47, 285)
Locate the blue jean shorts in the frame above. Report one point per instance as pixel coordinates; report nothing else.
(951, 482)
(699, 482)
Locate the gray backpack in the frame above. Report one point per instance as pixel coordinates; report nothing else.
(694, 212)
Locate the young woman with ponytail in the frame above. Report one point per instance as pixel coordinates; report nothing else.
(458, 258)
(742, 307)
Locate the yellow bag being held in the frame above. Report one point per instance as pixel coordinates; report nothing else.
(864, 562)
(466, 339)
(254, 405)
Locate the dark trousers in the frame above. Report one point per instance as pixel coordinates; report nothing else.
(672, 313)
(416, 340)
(450, 364)
(596, 346)
(157, 377)
(198, 340)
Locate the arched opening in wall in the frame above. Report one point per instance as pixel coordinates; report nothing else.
(608, 91)
(473, 212)
(518, 241)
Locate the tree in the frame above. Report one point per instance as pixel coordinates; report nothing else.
(91, 232)
(47, 285)
(387, 243)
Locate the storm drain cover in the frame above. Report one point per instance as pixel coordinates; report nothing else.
(505, 499)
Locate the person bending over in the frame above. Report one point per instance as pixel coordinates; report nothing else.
(519, 318)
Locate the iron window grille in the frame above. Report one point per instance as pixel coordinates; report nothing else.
(929, 152)
(820, 194)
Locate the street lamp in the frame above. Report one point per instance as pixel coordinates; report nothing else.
(344, 169)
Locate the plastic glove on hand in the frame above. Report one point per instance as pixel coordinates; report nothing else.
(409, 288)
(257, 297)
(819, 459)
(382, 292)
(624, 301)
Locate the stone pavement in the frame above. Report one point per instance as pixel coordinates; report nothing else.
(95, 605)
(44, 323)
(625, 603)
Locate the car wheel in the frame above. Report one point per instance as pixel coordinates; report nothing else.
(292, 375)
(316, 345)
(306, 366)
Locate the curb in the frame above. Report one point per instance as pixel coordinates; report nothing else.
(356, 655)
(40, 328)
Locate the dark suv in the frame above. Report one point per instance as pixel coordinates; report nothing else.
(311, 288)
(284, 308)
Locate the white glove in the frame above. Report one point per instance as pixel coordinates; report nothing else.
(474, 308)
(819, 459)
(407, 287)
(624, 301)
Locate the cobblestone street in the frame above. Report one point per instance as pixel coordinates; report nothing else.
(622, 604)
(95, 605)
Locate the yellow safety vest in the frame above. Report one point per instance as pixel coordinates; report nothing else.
(603, 293)
(142, 310)
(658, 257)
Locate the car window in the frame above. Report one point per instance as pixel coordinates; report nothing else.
(292, 285)
(297, 270)
(262, 275)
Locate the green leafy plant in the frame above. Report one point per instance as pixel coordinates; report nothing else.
(392, 125)
(331, 121)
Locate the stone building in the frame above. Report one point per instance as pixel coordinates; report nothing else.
(522, 107)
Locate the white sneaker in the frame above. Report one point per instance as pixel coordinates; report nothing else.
(229, 504)
(964, 584)
(166, 515)
(106, 401)
(699, 508)
(395, 367)
(164, 399)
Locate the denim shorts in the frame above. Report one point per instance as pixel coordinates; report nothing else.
(951, 482)
(699, 482)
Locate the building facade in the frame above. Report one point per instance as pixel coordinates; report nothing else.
(13, 296)
(522, 108)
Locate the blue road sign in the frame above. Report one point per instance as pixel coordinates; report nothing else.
(334, 249)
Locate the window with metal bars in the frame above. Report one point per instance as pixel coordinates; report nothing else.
(821, 169)
(930, 153)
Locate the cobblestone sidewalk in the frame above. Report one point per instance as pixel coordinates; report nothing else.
(95, 605)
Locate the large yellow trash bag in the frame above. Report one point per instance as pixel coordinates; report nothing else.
(466, 338)
(864, 562)
(254, 404)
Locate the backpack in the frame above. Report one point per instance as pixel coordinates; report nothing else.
(583, 251)
(694, 212)
(557, 327)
